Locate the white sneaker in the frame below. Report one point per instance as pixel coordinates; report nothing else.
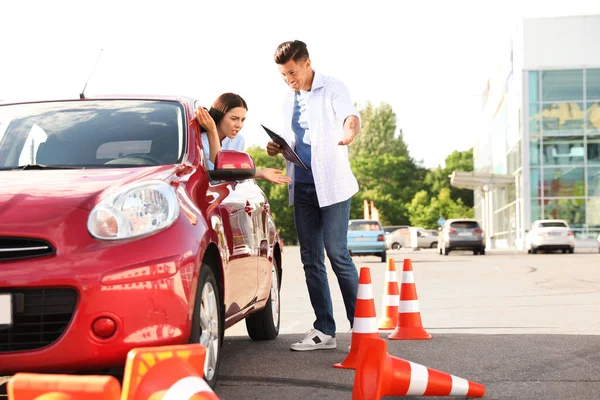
(314, 340)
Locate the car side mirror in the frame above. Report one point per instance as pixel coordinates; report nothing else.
(233, 165)
(526, 230)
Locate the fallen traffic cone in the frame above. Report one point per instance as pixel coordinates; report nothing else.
(391, 298)
(365, 319)
(25, 386)
(409, 325)
(169, 372)
(379, 374)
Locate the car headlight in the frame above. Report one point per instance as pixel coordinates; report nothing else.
(138, 210)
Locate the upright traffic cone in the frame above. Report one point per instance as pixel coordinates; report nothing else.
(25, 386)
(409, 325)
(166, 372)
(379, 374)
(391, 298)
(365, 319)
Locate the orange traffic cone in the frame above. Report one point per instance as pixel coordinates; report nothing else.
(166, 372)
(391, 298)
(379, 374)
(409, 325)
(365, 319)
(24, 386)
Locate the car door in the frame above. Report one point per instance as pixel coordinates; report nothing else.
(238, 212)
(265, 236)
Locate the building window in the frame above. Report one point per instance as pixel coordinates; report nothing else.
(593, 150)
(563, 151)
(562, 182)
(536, 182)
(562, 119)
(534, 87)
(536, 209)
(592, 84)
(593, 118)
(571, 210)
(594, 182)
(593, 212)
(562, 85)
(534, 120)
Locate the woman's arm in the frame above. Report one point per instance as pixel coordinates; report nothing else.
(272, 174)
(205, 120)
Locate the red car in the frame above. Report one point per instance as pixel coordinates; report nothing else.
(114, 235)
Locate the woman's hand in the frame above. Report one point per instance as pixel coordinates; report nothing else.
(205, 120)
(273, 175)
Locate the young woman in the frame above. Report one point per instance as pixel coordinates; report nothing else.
(222, 123)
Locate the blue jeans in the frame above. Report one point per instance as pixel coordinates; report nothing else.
(322, 229)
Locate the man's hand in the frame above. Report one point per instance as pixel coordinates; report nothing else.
(273, 149)
(351, 128)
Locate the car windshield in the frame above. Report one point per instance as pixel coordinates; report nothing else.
(91, 134)
(465, 225)
(556, 224)
(364, 226)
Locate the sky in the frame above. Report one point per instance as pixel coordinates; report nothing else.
(429, 60)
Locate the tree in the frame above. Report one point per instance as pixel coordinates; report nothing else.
(439, 178)
(424, 212)
(380, 160)
(277, 194)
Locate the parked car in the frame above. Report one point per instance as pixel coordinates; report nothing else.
(397, 238)
(461, 234)
(366, 237)
(550, 234)
(114, 235)
(427, 238)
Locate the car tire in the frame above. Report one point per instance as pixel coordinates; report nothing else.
(571, 250)
(482, 251)
(264, 324)
(475, 252)
(396, 246)
(433, 245)
(533, 250)
(208, 332)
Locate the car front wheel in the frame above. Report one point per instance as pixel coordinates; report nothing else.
(264, 324)
(396, 246)
(207, 323)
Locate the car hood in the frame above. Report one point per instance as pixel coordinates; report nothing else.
(82, 188)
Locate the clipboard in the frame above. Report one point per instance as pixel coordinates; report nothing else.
(288, 152)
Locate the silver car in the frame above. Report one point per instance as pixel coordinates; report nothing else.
(461, 234)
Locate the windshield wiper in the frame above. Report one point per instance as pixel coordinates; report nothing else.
(42, 166)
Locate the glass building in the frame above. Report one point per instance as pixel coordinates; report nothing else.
(538, 153)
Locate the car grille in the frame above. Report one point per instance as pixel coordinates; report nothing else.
(40, 316)
(18, 248)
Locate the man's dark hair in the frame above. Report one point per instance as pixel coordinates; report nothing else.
(292, 50)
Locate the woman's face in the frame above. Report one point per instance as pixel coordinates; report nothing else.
(232, 122)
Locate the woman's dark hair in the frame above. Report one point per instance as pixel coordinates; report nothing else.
(224, 103)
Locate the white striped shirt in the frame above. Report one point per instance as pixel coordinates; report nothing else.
(328, 104)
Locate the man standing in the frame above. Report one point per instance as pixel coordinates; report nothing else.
(320, 120)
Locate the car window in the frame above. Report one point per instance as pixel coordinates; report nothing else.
(364, 226)
(465, 225)
(553, 224)
(92, 133)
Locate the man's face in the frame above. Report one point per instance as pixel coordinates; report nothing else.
(296, 74)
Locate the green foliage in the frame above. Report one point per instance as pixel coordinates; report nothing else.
(439, 178)
(277, 194)
(425, 212)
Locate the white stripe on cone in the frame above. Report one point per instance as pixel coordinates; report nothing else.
(186, 387)
(409, 306)
(419, 377)
(391, 276)
(365, 292)
(391, 300)
(408, 277)
(460, 386)
(365, 325)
